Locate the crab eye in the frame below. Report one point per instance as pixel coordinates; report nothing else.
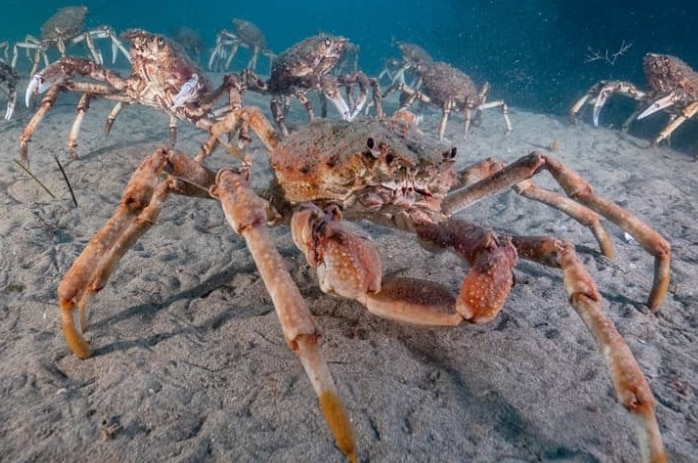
(450, 154)
(370, 143)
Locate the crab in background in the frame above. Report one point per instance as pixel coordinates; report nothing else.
(330, 170)
(411, 56)
(5, 51)
(309, 65)
(65, 28)
(673, 88)
(162, 77)
(450, 89)
(191, 42)
(246, 34)
(8, 84)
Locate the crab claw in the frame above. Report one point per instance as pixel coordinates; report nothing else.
(658, 105)
(39, 84)
(188, 93)
(600, 101)
(11, 102)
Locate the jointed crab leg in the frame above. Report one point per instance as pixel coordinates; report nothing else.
(630, 384)
(140, 205)
(248, 214)
(349, 266)
(579, 190)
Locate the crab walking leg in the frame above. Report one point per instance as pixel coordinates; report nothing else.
(599, 93)
(687, 113)
(248, 215)
(11, 101)
(580, 191)
(47, 103)
(631, 386)
(348, 265)
(528, 189)
(140, 206)
(83, 106)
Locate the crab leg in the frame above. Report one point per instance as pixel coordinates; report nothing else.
(632, 389)
(604, 90)
(248, 215)
(348, 265)
(46, 103)
(83, 106)
(687, 113)
(140, 206)
(580, 191)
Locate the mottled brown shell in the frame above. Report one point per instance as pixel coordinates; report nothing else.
(345, 162)
(249, 33)
(65, 24)
(666, 73)
(163, 68)
(303, 64)
(414, 54)
(442, 82)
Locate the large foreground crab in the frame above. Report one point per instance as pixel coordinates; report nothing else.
(329, 170)
(673, 87)
(308, 66)
(450, 89)
(162, 77)
(9, 79)
(67, 27)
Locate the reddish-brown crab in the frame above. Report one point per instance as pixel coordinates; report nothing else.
(331, 169)
(67, 27)
(308, 66)
(246, 34)
(450, 89)
(673, 87)
(9, 78)
(162, 77)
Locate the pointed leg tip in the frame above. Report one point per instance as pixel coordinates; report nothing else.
(339, 423)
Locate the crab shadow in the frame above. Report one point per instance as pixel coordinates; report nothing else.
(148, 311)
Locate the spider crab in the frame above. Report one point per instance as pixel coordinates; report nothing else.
(450, 89)
(246, 34)
(411, 56)
(67, 27)
(162, 77)
(673, 87)
(9, 78)
(307, 66)
(330, 170)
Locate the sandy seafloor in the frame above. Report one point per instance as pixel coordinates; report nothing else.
(189, 357)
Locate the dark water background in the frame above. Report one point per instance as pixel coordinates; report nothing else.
(532, 52)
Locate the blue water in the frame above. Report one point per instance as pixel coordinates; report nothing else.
(532, 52)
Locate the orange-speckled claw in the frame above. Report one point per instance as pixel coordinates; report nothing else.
(487, 285)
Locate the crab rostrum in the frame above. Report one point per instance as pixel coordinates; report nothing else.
(330, 170)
